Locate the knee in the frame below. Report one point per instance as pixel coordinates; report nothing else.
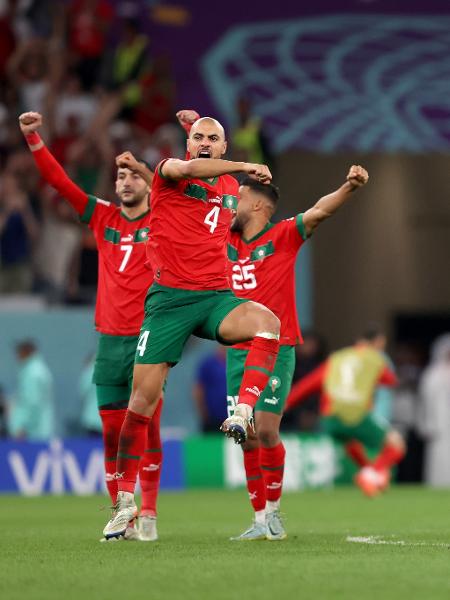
(268, 437)
(270, 322)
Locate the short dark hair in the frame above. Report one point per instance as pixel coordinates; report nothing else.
(268, 190)
(372, 331)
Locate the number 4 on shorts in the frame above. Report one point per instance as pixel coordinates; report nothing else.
(142, 343)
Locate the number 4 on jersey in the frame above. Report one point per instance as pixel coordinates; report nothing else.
(211, 218)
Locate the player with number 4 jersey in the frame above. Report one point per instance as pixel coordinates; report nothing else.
(121, 233)
(261, 258)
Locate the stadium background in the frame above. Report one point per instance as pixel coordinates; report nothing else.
(332, 83)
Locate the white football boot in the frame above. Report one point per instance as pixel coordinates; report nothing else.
(236, 426)
(256, 531)
(147, 529)
(275, 528)
(125, 511)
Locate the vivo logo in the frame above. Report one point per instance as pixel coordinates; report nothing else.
(57, 470)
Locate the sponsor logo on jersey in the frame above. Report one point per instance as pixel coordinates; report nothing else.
(254, 390)
(271, 400)
(216, 200)
(127, 238)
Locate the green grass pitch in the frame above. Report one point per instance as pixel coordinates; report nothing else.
(50, 549)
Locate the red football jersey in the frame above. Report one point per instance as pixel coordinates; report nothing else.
(123, 277)
(189, 223)
(263, 269)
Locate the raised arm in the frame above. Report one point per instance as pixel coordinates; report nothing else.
(48, 166)
(206, 168)
(305, 387)
(328, 205)
(127, 161)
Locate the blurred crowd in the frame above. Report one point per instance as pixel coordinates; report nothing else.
(102, 89)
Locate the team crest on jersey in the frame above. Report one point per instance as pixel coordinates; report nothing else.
(274, 382)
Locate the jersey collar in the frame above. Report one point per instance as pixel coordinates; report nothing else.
(138, 218)
(258, 235)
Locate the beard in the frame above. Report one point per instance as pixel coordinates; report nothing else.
(237, 225)
(132, 201)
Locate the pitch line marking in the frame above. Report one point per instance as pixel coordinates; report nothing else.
(378, 539)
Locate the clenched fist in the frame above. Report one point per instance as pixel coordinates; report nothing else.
(30, 122)
(357, 176)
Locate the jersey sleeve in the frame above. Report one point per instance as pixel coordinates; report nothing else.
(311, 384)
(95, 211)
(53, 173)
(293, 234)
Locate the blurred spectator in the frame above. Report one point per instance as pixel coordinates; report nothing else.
(3, 413)
(90, 419)
(408, 359)
(88, 22)
(210, 391)
(18, 230)
(309, 355)
(32, 413)
(247, 138)
(434, 422)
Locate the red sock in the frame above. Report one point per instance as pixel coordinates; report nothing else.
(255, 481)
(272, 465)
(132, 442)
(257, 369)
(389, 456)
(150, 467)
(357, 453)
(112, 421)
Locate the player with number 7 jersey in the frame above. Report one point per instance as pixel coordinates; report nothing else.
(121, 233)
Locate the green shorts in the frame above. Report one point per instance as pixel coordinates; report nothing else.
(276, 391)
(172, 315)
(113, 370)
(371, 431)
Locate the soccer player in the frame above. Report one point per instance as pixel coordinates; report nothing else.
(348, 379)
(121, 234)
(262, 258)
(192, 203)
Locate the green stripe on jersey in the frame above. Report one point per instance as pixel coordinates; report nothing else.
(301, 226)
(112, 235)
(261, 252)
(229, 201)
(193, 190)
(232, 253)
(89, 210)
(141, 235)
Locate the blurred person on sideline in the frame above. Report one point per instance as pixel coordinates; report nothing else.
(3, 413)
(248, 141)
(32, 412)
(90, 419)
(210, 390)
(434, 413)
(347, 381)
(18, 231)
(308, 356)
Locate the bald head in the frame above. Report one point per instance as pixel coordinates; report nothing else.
(206, 139)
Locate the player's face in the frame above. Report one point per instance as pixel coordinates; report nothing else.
(206, 140)
(245, 209)
(131, 188)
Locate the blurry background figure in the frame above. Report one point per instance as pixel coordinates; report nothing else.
(383, 397)
(18, 230)
(434, 412)
(90, 421)
(210, 391)
(409, 362)
(3, 413)
(32, 412)
(309, 355)
(248, 142)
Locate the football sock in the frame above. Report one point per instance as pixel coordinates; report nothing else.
(112, 421)
(272, 466)
(150, 467)
(357, 453)
(132, 442)
(255, 480)
(389, 456)
(258, 367)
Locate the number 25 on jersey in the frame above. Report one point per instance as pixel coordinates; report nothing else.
(243, 277)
